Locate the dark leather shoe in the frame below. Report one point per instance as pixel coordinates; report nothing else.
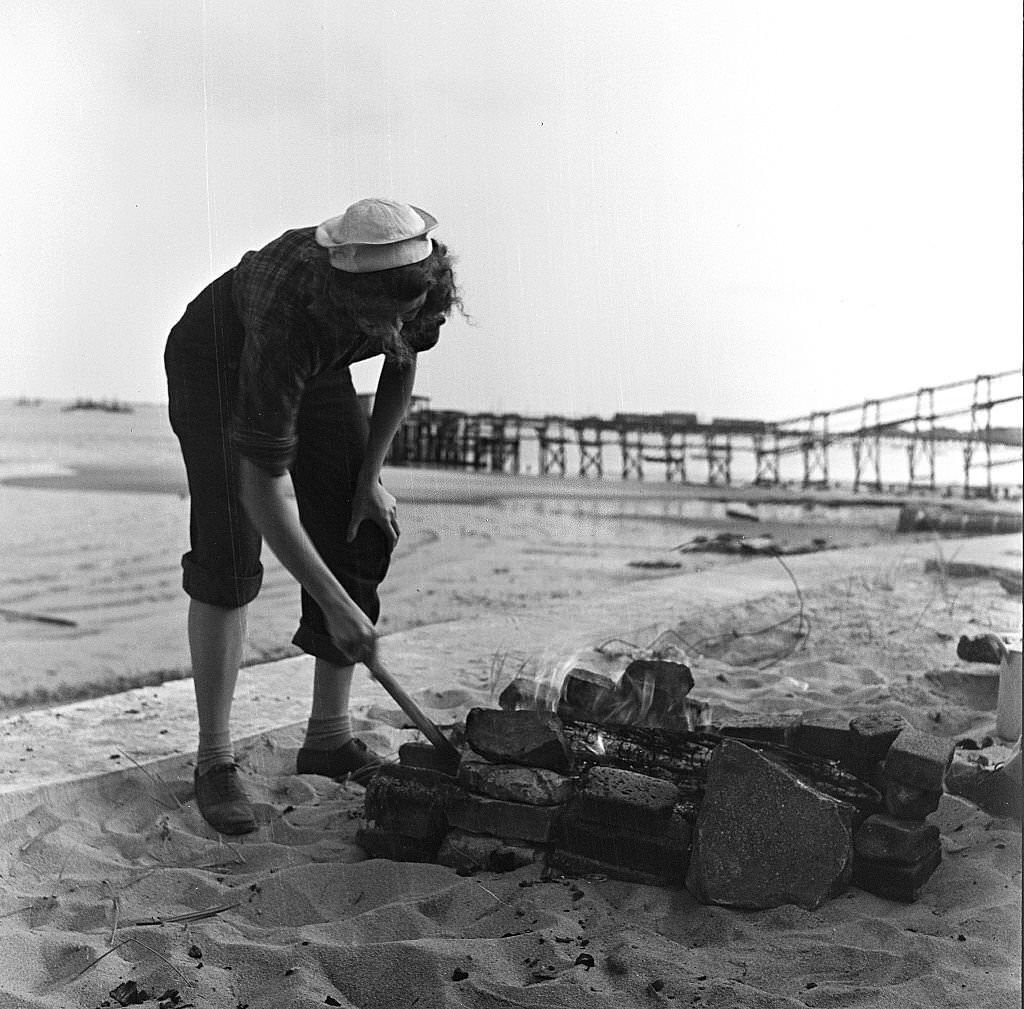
(354, 761)
(223, 802)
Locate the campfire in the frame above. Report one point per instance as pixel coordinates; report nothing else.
(603, 765)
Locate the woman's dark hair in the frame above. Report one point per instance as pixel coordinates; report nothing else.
(364, 294)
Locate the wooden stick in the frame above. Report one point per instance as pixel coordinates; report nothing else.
(409, 706)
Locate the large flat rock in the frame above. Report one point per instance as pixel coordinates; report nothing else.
(765, 838)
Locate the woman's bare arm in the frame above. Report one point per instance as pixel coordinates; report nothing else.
(390, 404)
(275, 514)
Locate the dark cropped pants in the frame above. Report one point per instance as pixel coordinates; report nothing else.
(223, 566)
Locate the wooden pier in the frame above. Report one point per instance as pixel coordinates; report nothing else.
(725, 451)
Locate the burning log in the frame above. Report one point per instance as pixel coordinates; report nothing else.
(826, 776)
(679, 757)
(682, 757)
(650, 691)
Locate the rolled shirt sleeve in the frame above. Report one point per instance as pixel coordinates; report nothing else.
(270, 384)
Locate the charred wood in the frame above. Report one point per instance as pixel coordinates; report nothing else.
(682, 757)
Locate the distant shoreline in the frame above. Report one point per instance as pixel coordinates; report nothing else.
(1001, 435)
(424, 485)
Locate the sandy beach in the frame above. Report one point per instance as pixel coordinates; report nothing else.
(113, 880)
(697, 672)
(95, 515)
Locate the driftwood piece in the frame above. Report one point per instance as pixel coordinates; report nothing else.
(39, 618)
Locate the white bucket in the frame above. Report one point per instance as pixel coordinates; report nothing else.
(1008, 706)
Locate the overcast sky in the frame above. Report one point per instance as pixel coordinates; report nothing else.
(731, 208)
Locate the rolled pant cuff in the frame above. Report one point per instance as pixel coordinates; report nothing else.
(320, 646)
(230, 595)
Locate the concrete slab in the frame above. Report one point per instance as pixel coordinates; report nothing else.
(996, 554)
(45, 751)
(998, 557)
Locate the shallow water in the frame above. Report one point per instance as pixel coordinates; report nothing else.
(47, 435)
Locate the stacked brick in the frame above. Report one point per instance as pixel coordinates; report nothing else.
(514, 798)
(406, 811)
(626, 825)
(517, 797)
(896, 854)
(496, 809)
(894, 858)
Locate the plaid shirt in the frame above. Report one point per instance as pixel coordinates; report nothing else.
(290, 340)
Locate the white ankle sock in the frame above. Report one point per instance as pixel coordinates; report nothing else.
(214, 748)
(328, 733)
